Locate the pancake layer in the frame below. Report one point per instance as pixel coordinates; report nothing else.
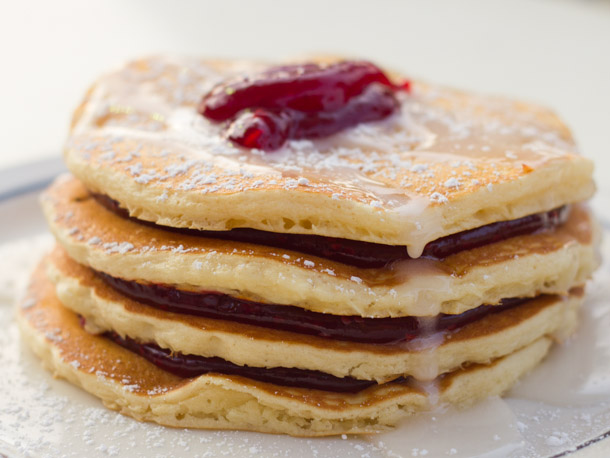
(482, 341)
(365, 254)
(549, 262)
(135, 387)
(449, 161)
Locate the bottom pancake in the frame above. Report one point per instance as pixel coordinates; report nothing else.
(130, 384)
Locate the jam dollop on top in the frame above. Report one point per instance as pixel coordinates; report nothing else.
(300, 101)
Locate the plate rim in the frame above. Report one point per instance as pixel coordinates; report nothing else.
(29, 177)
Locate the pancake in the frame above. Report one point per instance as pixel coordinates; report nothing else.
(128, 383)
(547, 262)
(447, 162)
(481, 341)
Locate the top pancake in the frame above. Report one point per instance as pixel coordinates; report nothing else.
(449, 161)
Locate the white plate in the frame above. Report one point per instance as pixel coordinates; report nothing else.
(562, 406)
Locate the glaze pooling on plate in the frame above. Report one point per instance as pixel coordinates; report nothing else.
(448, 161)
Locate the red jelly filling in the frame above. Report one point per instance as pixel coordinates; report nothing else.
(300, 101)
(294, 319)
(366, 254)
(192, 366)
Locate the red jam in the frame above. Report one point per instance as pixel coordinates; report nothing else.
(300, 101)
(192, 366)
(295, 319)
(372, 255)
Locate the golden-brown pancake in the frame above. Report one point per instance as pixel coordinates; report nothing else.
(446, 162)
(425, 358)
(549, 262)
(128, 383)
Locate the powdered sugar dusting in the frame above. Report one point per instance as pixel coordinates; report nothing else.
(115, 247)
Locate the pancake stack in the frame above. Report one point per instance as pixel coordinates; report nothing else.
(333, 286)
